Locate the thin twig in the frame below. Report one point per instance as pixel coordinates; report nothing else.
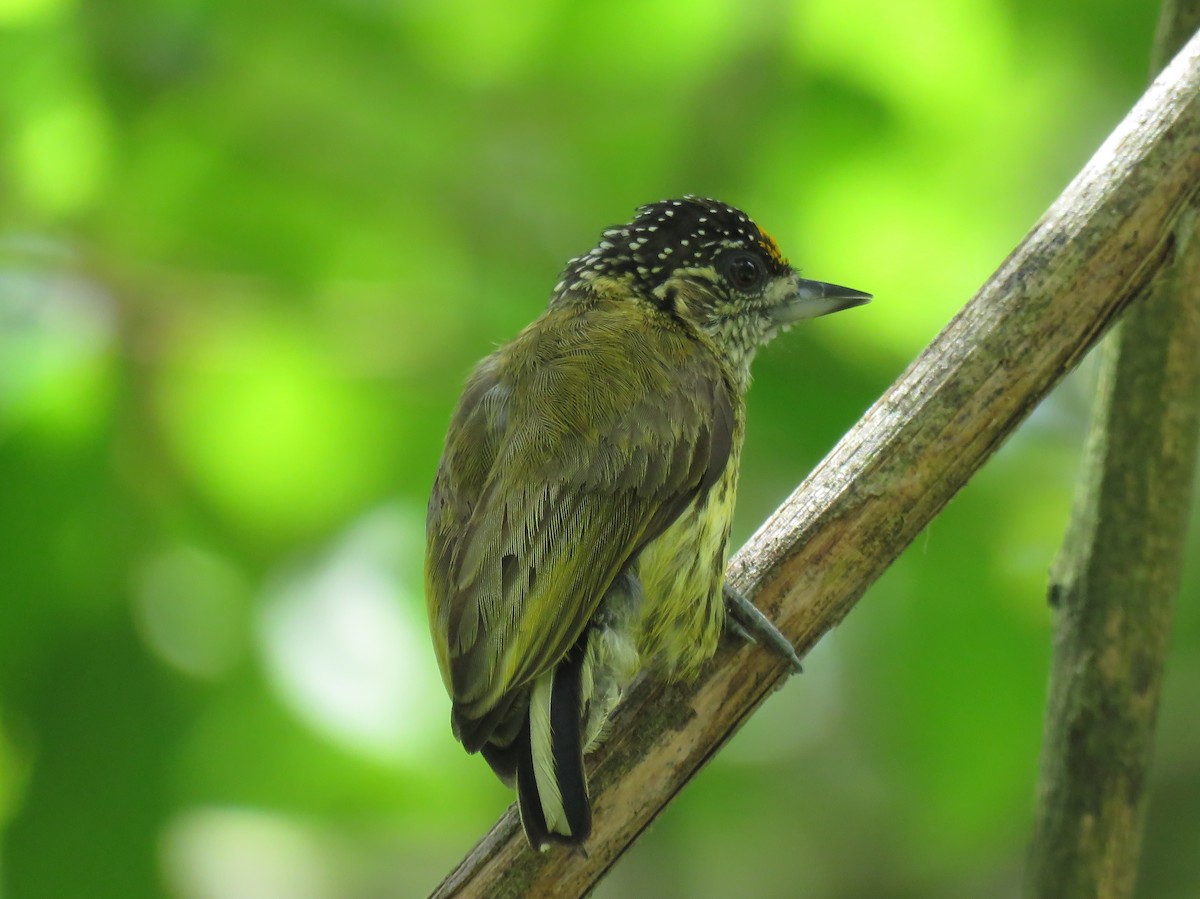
(1117, 575)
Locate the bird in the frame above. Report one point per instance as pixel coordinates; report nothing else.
(578, 525)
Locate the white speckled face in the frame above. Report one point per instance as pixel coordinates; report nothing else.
(665, 237)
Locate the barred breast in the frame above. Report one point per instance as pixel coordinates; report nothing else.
(682, 573)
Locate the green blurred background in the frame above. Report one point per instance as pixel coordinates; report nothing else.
(248, 253)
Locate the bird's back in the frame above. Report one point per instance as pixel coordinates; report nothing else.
(574, 449)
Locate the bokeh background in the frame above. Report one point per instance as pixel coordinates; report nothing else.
(248, 253)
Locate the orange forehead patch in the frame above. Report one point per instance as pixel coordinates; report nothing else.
(767, 242)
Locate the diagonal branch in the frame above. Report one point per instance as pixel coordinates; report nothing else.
(1095, 250)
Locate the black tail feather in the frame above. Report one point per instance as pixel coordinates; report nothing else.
(566, 752)
(566, 724)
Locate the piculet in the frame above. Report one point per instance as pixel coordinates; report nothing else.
(578, 526)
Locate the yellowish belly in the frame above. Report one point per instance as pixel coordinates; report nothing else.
(682, 573)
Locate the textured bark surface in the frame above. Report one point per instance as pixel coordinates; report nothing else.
(1095, 250)
(1117, 575)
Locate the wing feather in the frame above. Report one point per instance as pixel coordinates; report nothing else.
(546, 493)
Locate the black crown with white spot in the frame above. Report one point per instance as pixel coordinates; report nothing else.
(667, 236)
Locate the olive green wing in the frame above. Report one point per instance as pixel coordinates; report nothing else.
(545, 493)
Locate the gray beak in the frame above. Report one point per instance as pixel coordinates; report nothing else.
(813, 298)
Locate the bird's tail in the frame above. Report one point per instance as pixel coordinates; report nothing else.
(552, 790)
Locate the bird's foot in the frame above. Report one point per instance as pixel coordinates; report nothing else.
(746, 620)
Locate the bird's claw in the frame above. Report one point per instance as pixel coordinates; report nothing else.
(746, 620)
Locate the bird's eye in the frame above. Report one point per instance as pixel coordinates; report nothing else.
(744, 271)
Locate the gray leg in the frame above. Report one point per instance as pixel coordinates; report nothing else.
(744, 619)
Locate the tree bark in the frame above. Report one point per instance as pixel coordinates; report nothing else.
(1097, 249)
(1116, 577)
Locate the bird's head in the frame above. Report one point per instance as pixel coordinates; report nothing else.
(708, 264)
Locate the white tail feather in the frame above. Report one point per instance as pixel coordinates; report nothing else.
(541, 745)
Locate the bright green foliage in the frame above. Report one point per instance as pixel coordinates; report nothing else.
(248, 253)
